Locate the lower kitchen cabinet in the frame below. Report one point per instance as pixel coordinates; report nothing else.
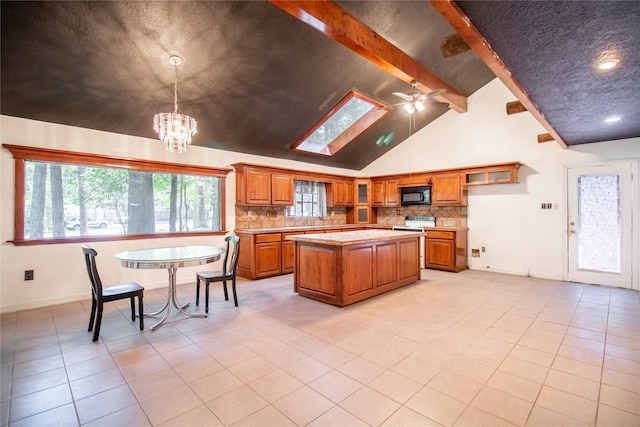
(260, 255)
(446, 250)
(271, 254)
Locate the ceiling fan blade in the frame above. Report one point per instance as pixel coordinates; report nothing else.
(403, 96)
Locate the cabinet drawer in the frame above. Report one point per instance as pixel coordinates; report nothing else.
(265, 238)
(440, 235)
(295, 233)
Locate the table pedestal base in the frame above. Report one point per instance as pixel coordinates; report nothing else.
(172, 299)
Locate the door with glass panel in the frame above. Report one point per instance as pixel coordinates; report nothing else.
(599, 224)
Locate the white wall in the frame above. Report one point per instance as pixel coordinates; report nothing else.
(519, 237)
(60, 274)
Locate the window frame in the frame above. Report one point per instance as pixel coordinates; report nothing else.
(375, 115)
(22, 154)
(314, 203)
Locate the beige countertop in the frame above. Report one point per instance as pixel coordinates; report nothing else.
(353, 237)
(332, 227)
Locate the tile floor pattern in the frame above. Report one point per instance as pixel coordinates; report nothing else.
(467, 349)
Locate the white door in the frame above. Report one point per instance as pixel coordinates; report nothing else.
(599, 224)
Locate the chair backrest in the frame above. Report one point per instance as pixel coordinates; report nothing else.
(92, 270)
(231, 255)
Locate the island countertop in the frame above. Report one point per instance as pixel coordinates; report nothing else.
(344, 238)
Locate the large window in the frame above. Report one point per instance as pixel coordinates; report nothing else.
(309, 200)
(63, 196)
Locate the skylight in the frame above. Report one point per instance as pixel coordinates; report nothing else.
(354, 114)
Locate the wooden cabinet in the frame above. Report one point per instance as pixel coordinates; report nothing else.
(260, 255)
(281, 189)
(271, 254)
(263, 187)
(340, 193)
(361, 215)
(288, 253)
(340, 273)
(506, 173)
(447, 190)
(268, 255)
(362, 192)
(349, 196)
(385, 193)
(446, 250)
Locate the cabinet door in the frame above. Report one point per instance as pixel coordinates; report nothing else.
(281, 189)
(447, 190)
(440, 254)
(258, 187)
(349, 195)
(335, 193)
(268, 259)
(377, 193)
(288, 256)
(392, 195)
(362, 192)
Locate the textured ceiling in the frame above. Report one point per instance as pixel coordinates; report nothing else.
(257, 79)
(552, 49)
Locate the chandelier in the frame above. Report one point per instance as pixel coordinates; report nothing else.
(175, 129)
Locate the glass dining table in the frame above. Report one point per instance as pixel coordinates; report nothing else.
(170, 258)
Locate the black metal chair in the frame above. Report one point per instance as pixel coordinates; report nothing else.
(228, 273)
(100, 294)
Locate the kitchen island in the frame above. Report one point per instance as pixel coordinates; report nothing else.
(346, 267)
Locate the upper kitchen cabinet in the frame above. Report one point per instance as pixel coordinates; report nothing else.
(385, 193)
(505, 173)
(256, 186)
(340, 192)
(447, 190)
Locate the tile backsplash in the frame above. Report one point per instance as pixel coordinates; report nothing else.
(273, 216)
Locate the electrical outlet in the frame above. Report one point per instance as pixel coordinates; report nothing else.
(28, 275)
(483, 250)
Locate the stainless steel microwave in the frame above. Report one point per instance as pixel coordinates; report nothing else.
(415, 195)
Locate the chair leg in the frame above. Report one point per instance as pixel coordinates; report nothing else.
(141, 312)
(96, 329)
(93, 314)
(224, 286)
(233, 286)
(133, 308)
(206, 296)
(197, 290)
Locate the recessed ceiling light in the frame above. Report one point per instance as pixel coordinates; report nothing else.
(608, 64)
(612, 119)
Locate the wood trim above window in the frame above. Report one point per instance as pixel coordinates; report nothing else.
(21, 154)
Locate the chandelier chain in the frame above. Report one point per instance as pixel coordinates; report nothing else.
(175, 91)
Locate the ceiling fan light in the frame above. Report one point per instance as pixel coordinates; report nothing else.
(419, 106)
(409, 107)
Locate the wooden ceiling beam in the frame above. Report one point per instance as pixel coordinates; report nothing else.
(544, 137)
(470, 34)
(453, 45)
(515, 107)
(338, 24)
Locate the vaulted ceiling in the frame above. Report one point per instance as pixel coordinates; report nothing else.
(258, 75)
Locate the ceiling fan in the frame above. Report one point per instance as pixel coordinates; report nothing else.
(415, 99)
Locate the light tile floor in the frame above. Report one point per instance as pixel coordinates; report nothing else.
(467, 349)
